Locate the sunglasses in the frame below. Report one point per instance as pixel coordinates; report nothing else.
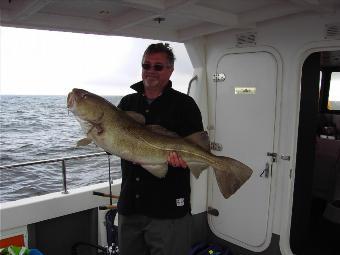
(156, 67)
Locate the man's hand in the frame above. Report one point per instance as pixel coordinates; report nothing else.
(176, 161)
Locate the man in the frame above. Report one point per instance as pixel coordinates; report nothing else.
(154, 213)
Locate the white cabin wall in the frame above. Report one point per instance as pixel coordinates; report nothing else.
(293, 38)
(197, 53)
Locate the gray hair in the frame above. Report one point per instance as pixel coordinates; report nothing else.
(161, 48)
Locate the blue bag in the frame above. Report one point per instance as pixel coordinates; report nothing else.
(196, 248)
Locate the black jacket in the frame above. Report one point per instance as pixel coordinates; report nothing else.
(141, 192)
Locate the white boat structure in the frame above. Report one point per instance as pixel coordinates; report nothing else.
(260, 80)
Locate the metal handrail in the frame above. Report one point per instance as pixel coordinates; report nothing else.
(63, 164)
(52, 160)
(190, 82)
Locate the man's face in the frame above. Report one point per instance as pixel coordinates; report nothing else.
(156, 78)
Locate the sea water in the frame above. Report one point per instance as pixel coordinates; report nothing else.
(34, 128)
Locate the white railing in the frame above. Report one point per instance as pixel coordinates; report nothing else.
(63, 164)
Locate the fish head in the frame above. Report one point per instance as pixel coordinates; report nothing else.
(86, 105)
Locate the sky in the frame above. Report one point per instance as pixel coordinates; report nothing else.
(37, 62)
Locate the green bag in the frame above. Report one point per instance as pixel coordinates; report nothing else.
(14, 250)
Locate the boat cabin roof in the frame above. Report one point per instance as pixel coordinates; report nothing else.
(171, 20)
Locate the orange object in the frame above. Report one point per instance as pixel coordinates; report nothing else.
(13, 240)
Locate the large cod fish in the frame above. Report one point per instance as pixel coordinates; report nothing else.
(124, 135)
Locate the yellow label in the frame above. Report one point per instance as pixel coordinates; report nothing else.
(245, 90)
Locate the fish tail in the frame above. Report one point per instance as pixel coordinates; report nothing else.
(230, 175)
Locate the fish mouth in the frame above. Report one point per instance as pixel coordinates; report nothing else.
(74, 96)
(70, 100)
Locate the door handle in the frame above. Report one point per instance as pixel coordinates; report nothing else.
(265, 172)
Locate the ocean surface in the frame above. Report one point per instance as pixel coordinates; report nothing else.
(34, 128)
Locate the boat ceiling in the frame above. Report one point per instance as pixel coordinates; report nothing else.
(171, 20)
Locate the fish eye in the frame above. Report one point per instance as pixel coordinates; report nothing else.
(84, 96)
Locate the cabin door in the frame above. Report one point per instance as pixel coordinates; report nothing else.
(244, 127)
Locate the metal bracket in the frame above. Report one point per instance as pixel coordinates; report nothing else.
(218, 77)
(285, 157)
(273, 155)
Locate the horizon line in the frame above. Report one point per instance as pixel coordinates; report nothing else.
(54, 94)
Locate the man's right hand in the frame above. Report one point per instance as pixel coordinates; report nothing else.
(175, 160)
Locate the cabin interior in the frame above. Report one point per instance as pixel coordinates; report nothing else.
(315, 225)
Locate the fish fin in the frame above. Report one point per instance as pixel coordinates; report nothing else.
(230, 175)
(159, 170)
(85, 125)
(136, 116)
(197, 168)
(84, 141)
(162, 131)
(201, 139)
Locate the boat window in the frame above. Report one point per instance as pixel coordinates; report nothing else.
(329, 82)
(334, 92)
